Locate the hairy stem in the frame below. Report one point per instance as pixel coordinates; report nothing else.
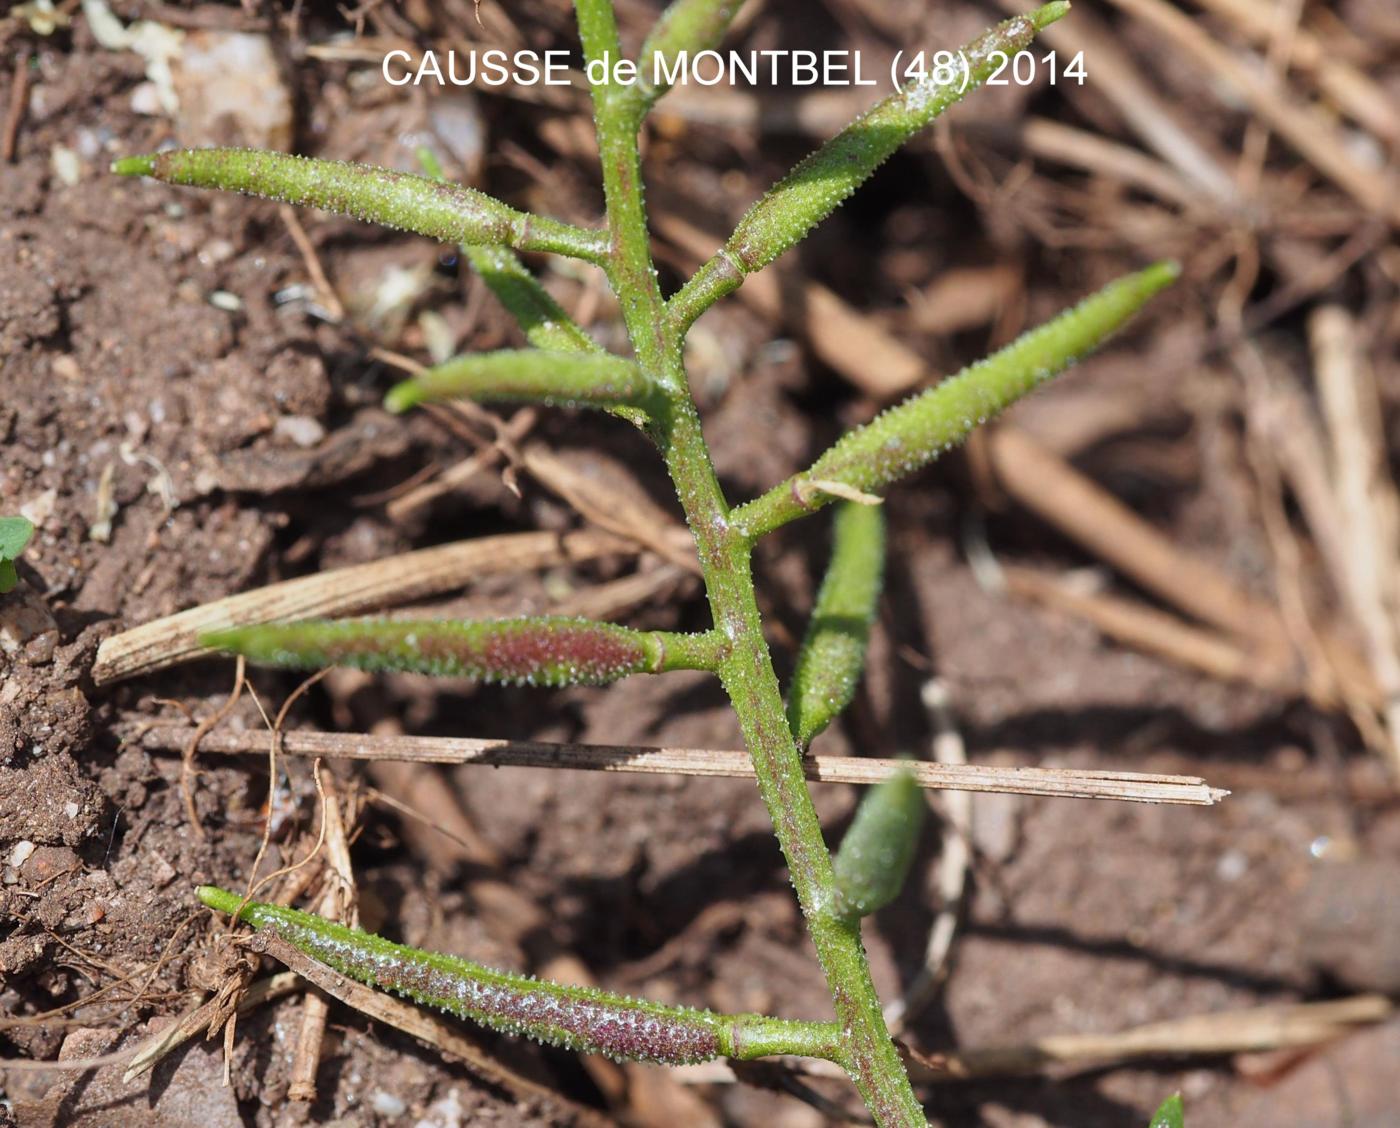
(745, 667)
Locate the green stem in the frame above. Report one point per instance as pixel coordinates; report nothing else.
(630, 269)
(746, 667)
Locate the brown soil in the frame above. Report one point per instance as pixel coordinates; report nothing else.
(1084, 917)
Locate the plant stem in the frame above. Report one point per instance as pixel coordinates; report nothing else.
(745, 666)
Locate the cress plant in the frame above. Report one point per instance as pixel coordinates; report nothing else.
(565, 366)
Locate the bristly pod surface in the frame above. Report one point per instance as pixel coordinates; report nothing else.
(822, 181)
(904, 438)
(1171, 1114)
(832, 657)
(875, 853)
(558, 378)
(575, 1018)
(542, 651)
(400, 200)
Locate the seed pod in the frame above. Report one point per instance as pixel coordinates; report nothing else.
(904, 438)
(686, 27)
(375, 195)
(541, 318)
(1171, 1114)
(575, 1018)
(565, 379)
(822, 181)
(541, 651)
(875, 854)
(832, 657)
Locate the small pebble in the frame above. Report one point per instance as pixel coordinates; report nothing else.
(222, 299)
(301, 430)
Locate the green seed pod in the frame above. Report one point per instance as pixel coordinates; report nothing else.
(832, 657)
(911, 435)
(821, 182)
(375, 195)
(542, 651)
(568, 379)
(575, 1018)
(540, 317)
(686, 27)
(875, 854)
(1171, 1114)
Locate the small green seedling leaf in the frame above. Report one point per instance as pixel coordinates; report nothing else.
(14, 535)
(875, 854)
(832, 657)
(576, 1018)
(1171, 1115)
(904, 438)
(375, 195)
(566, 379)
(543, 651)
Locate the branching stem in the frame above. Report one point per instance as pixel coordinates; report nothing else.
(651, 389)
(746, 667)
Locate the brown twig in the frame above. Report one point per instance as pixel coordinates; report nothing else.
(337, 903)
(626, 515)
(1138, 625)
(1120, 79)
(14, 115)
(1077, 506)
(1052, 782)
(1302, 125)
(202, 1018)
(454, 477)
(1088, 514)
(1227, 1032)
(953, 861)
(1354, 92)
(187, 772)
(329, 298)
(1367, 505)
